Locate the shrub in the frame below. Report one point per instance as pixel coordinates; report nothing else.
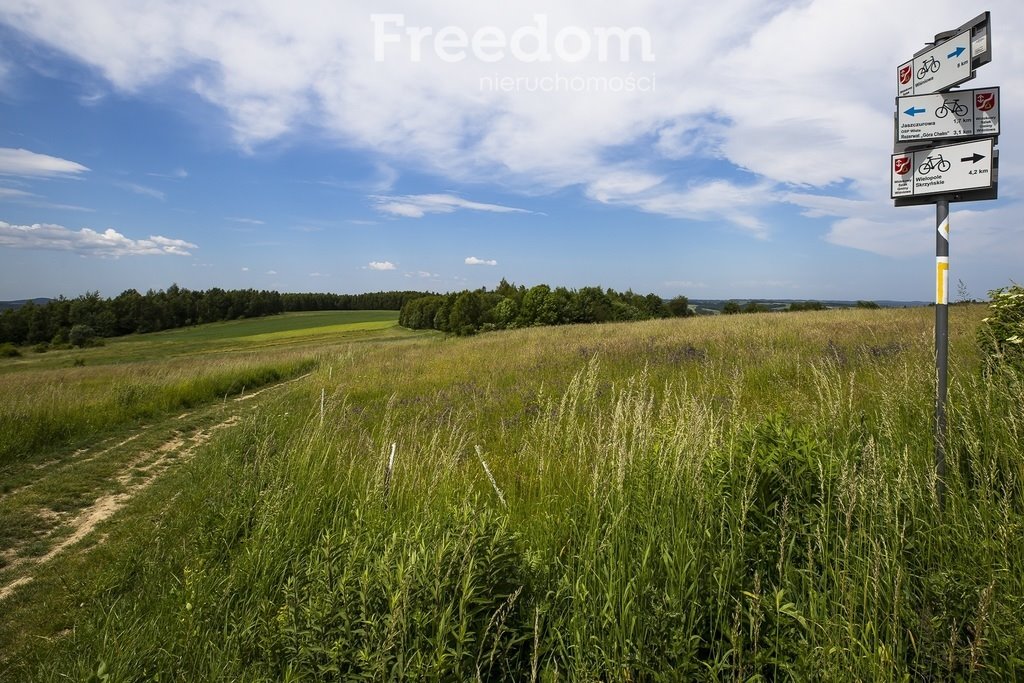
(81, 335)
(1001, 335)
(8, 350)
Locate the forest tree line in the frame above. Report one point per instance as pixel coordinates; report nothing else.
(508, 306)
(91, 315)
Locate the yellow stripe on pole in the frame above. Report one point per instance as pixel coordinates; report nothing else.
(941, 280)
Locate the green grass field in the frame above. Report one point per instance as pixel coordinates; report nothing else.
(287, 324)
(729, 498)
(289, 330)
(64, 398)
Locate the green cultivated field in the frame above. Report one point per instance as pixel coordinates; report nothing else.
(288, 324)
(65, 398)
(730, 498)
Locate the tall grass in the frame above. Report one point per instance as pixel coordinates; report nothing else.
(725, 500)
(47, 409)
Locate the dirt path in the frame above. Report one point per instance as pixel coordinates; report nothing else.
(136, 469)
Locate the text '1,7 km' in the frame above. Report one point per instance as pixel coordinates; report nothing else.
(954, 114)
(930, 165)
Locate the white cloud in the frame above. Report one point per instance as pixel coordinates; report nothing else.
(319, 274)
(88, 242)
(474, 261)
(424, 274)
(271, 272)
(703, 201)
(22, 162)
(794, 92)
(143, 190)
(31, 199)
(380, 265)
(382, 180)
(245, 269)
(9, 193)
(618, 184)
(176, 174)
(91, 100)
(248, 221)
(996, 232)
(418, 205)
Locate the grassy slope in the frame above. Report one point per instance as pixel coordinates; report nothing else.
(64, 398)
(236, 336)
(696, 499)
(288, 322)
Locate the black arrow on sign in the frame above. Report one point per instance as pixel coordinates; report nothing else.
(975, 158)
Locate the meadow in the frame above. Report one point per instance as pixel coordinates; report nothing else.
(59, 399)
(728, 498)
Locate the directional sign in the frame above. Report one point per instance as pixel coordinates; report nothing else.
(942, 170)
(953, 114)
(945, 65)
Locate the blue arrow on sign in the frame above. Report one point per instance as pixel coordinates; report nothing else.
(914, 112)
(956, 53)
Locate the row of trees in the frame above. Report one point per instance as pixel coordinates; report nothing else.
(733, 307)
(509, 306)
(131, 312)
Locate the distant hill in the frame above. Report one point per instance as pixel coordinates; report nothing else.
(716, 305)
(5, 305)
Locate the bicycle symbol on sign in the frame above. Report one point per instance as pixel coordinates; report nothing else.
(933, 162)
(930, 64)
(951, 106)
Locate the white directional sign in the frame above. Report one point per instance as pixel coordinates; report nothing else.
(945, 65)
(943, 170)
(953, 114)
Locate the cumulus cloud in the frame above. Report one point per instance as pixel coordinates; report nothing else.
(380, 265)
(474, 261)
(88, 242)
(419, 205)
(791, 92)
(22, 162)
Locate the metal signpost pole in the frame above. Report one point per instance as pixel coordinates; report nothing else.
(928, 167)
(941, 340)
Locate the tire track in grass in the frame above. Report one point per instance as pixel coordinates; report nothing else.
(150, 464)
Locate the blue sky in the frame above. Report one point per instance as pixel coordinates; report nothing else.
(308, 147)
